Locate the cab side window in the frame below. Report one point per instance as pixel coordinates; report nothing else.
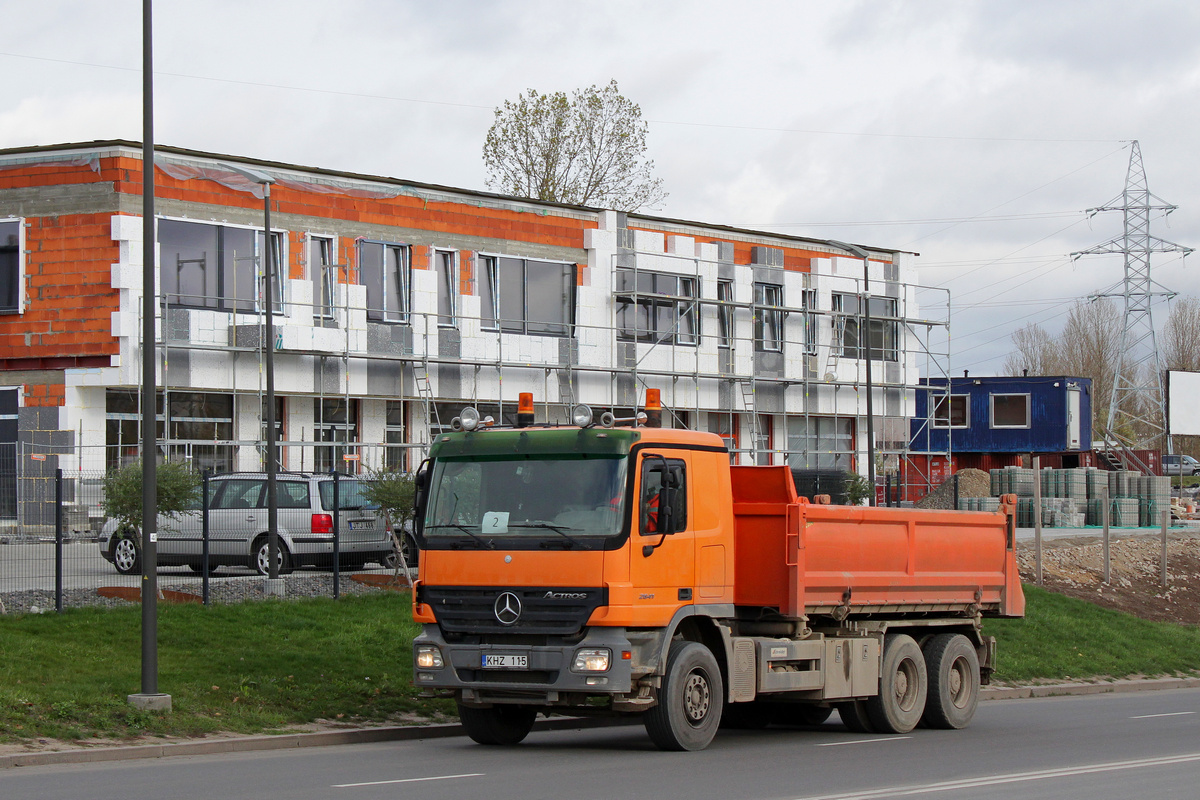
(657, 473)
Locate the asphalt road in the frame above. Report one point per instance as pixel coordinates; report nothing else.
(1144, 745)
(31, 566)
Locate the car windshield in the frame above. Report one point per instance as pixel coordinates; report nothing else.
(565, 499)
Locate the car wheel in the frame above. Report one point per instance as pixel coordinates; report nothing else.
(262, 557)
(127, 557)
(198, 568)
(408, 546)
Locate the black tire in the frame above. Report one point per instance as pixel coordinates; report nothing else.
(260, 559)
(854, 716)
(753, 716)
(801, 714)
(502, 725)
(953, 668)
(198, 567)
(411, 553)
(903, 686)
(690, 700)
(127, 556)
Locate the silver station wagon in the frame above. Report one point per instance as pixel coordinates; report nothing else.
(237, 523)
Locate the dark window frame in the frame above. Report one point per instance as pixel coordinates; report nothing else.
(494, 271)
(227, 266)
(885, 329)
(669, 306)
(401, 265)
(12, 261)
(1027, 402)
(768, 317)
(942, 419)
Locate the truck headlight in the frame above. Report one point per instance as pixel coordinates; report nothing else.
(592, 660)
(429, 657)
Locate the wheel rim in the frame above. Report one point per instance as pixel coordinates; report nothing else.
(125, 554)
(697, 697)
(960, 684)
(906, 685)
(264, 558)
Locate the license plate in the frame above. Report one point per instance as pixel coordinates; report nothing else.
(361, 525)
(505, 662)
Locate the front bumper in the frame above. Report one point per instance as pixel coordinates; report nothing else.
(547, 680)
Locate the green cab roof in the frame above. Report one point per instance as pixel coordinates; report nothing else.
(535, 443)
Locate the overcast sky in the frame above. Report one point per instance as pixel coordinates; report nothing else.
(976, 134)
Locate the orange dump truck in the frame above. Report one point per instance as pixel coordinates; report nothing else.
(631, 570)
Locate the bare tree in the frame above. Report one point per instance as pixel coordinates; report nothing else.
(588, 149)
(1036, 352)
(1087, 347)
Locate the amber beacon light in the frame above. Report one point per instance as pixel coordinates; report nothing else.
(525, 410)
(653, 409)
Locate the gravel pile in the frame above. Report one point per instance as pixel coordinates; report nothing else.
(222, 589)
(971, 483)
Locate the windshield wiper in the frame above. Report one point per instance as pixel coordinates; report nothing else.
(485, 543)
(550, 526)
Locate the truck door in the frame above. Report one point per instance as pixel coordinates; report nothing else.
(663, 568)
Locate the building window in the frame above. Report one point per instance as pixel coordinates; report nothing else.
(768, 317)
(280, 461)
(10, 265)
(1010, 410)
(198, 428)
(952, 411)
(335, 426)
(323, 272)
(820, 443)
(725, 314)
(810, 321)
(884, 332)
(216, 266)
(658, 308)
(522, 296)
(393, 455)
(764, 447)
(386, 271)
(447, 278)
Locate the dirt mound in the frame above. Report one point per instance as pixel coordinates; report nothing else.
(971, 483)
(1075, 567)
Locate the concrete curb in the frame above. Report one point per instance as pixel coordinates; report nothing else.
(245, 744)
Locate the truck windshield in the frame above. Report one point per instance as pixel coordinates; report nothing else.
(567, 500)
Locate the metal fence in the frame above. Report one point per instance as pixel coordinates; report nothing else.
(58, 549)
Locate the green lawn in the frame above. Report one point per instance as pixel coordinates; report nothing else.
(260, 666)
(250, 667)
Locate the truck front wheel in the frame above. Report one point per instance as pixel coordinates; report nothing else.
(690, 700)
(953, 681)
(903, 685)
(505, 725)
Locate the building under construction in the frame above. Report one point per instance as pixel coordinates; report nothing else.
(398, 303)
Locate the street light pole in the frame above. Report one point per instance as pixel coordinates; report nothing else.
(268, 261)
(864, 343)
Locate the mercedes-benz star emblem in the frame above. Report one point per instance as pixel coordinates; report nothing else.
(508, 608)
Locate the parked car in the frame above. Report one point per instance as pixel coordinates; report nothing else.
(1180, 465)
(237, 521)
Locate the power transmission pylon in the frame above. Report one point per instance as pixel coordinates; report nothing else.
(1136, 407)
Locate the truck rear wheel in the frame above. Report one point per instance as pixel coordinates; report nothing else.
(505, 725)
(690, 700)
(854, 716)
(903, 686)
(953, 681)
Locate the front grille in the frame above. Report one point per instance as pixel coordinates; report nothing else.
(544, 610)
(540, 677)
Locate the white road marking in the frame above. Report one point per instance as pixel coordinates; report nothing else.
(865, 741)
(409, 780)
(1016, 777)
(1172, 714)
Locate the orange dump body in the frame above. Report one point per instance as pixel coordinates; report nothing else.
(853, 561)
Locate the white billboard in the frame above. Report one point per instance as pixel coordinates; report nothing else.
(1183, 403)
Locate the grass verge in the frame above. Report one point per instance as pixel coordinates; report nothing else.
(262, 666)
(1062, 638)
(250, 668)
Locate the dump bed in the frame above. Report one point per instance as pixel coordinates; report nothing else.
(848, 561)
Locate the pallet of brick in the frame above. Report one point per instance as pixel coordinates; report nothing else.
(1123, 483)
(1154, 497)
(1125, 512)
(1097, 482)
(1073, 484)
(1024, 512)
(1093, 511)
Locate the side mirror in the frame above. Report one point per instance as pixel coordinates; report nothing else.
(421, 496)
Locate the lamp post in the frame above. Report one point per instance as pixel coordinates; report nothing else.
(864, 339)
(268, 261)
(149, 698)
